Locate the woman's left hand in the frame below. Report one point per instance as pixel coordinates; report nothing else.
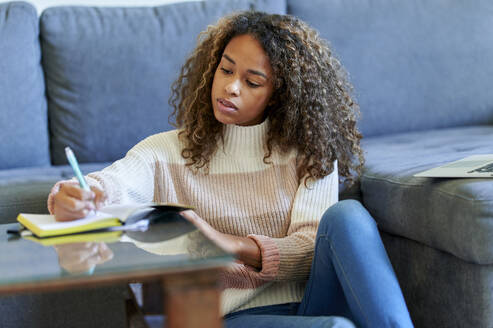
(220, 239)
(245, 249)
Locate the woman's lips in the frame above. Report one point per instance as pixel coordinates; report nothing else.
(226, 104)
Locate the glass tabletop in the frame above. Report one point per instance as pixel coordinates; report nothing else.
(164, 247)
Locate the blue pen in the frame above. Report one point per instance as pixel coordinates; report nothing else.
(75, 166)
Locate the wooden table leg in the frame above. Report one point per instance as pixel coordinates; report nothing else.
(192, 300)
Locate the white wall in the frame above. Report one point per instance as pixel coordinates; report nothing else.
(42, 4)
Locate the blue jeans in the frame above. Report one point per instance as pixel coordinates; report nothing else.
(351, 277)
(281, 315)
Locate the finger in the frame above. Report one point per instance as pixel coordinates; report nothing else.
(89, 246)
(100, 197)
(72, 204)
(105, 252)
(102, 248)
(92, 262)
(201, 224)
(79, 193)
(190, 215)
(64, 215)
(64, 211)
(85, 254)
(99, 193)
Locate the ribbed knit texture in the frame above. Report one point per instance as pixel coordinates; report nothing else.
(241, 195)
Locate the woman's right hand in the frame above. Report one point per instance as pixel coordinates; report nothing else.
(72, 202)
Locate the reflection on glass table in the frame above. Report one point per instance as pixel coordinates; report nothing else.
(171, 236)
(172, 251)
(82, 257)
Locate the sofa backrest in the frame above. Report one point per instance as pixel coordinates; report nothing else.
(23, 117)
(415, 65)
(109, 70)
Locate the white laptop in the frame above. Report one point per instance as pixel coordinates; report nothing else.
(477, 166)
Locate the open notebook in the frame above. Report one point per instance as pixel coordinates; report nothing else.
(110, 218)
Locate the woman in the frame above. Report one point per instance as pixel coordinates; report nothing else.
(266, 124)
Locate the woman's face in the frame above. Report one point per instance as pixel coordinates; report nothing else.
(243, 83)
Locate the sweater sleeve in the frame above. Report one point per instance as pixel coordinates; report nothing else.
(128, 180)
(290, 257)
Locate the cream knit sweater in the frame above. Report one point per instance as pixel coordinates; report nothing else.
(241, 196)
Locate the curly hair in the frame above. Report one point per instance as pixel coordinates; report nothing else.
(313, 108)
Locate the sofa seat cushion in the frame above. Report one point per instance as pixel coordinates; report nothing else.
(23, 113)
(100, 107)
(26, 190)
(453, 215)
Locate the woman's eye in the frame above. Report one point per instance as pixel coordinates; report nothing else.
(226, 71)
(252, 85)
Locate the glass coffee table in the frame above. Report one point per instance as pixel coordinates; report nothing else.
(174, 253)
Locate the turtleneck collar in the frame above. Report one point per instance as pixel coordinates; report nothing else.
(246, 140)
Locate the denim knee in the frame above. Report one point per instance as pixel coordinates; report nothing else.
(332, 322)
(346, 215)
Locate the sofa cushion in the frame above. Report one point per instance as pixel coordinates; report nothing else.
(26, 190)
(109, 70)
(23, 115)
(416, 65)
(29, 197)
(441, 290)
(92, 307)
(453, 215)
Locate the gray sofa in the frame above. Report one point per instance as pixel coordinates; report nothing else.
(98, 79)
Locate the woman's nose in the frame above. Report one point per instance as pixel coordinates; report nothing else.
(233, 88)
